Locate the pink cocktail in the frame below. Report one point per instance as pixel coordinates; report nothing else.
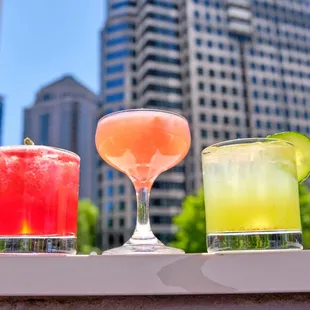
(38, 199)
(143, 143)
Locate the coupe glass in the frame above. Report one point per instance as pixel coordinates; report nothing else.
(142, 143)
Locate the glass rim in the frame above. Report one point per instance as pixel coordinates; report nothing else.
(36, 146)
(243, 141)
(142, 110)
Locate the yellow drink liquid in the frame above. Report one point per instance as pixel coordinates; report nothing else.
(251, 196)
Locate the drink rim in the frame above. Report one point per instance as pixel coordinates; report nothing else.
(142, 110)
(38, 146)
(243, 141)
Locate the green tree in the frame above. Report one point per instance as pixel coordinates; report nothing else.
(191, 223)
(304, 199)
(88, 215)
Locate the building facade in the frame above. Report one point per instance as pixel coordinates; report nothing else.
(64, 115)
(234, 68)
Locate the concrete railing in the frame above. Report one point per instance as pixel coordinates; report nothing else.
(265, 280)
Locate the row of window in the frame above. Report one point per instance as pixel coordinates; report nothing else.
(120, 27)
(123, 4)
(215, 134)
(220, 45)
(162, 31)
(162, 4)
(277, 97)
(213, 88)
(215, 119)
(161, 59)
(163, 104)
(162, 74)
(115, 83)
(120, 40)
(281, 33)
(279, 57)
(218, 104)
(277, 111)
(161, 44)
(220, 59)
(213, 74)
(161, 17)
(120, 54)
(115, 68)
(290, 46)
(162, 89)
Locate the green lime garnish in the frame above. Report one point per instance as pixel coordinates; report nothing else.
(302, 148)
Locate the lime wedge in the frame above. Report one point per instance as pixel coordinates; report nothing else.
(302, 148)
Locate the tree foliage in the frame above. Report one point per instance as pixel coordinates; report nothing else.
(191, 223)
(88, 215)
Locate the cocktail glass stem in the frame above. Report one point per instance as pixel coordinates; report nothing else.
(143, 232)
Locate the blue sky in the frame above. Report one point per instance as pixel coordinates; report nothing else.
(42, 40)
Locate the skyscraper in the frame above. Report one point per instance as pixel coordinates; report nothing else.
(64, 115)
(234, 68)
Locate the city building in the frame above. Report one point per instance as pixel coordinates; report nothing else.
(64, 115)
(234, 68)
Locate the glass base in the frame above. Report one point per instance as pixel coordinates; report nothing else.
(38, 245)
(134, 247)
(254, 241)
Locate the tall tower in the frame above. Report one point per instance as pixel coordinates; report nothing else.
(140, 69)
(246, 71)
(64, 115)
(233, 68)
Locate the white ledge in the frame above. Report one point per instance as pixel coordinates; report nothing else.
(268, 272)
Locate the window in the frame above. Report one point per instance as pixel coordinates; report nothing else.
(203, 133)
(162, 44)
(115, 69)
(201, 86)
(226, 120)
(109, 174)
(114, 83)
(120, 40)
(110, 191)
(203, 117)
(202, 101)
(121, 222)
(215, 134)
(119, 54)
(122, 4)
(200, 71)
(120, 27)
(121, 189)
(121, 205)
(115, 97)
(214, 119)
(110, 222)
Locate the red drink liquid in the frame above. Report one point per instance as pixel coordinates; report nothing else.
(38, 199)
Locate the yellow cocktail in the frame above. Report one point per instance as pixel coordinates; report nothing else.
(251, 195)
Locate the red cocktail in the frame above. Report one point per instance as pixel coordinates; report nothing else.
(38, 199)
